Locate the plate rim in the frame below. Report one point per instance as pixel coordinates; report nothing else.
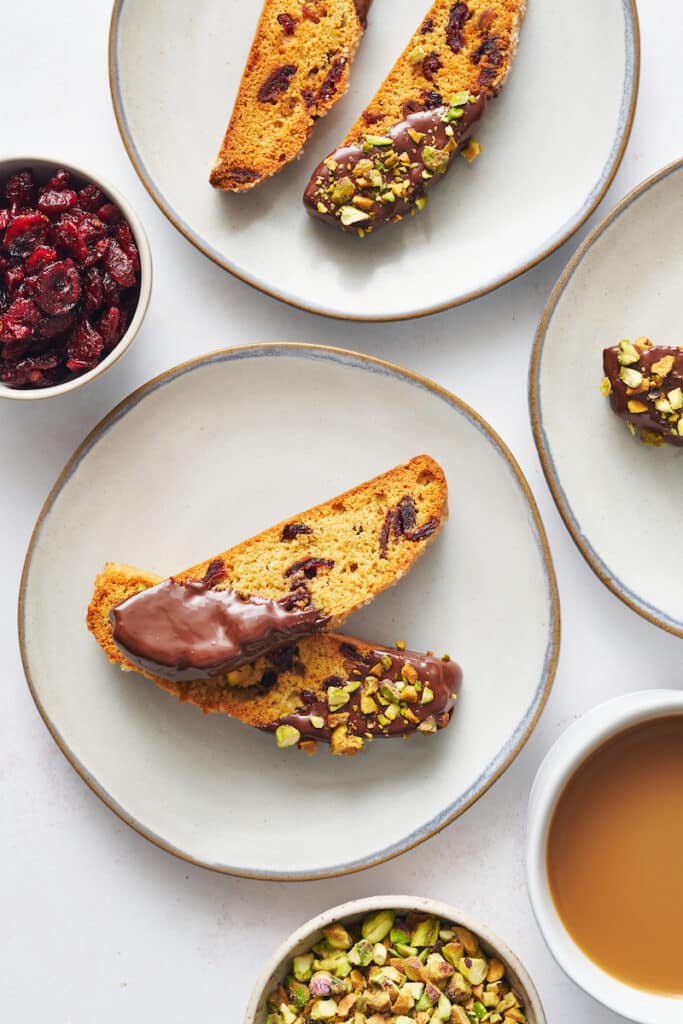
(508, 752)
(637, 604)
(623, 133)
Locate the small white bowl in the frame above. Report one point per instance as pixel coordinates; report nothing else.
(311, 932)
(571, 750)
(43, 169)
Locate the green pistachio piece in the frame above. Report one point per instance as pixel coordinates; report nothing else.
(473, 968)
(378, 925)
(324, 1009)
(343, 190)
(351, 215)
(479, 1010)
(399, 936)
(421, 202)
(287, 736)
(336, 696)
(443, 1008)
(361, 954)
(378, 140)
(426, 933)
(628, 353)
(631, 378)
(428, 727)
(303, 966)
(435, 159)
(337, 936)
(379, 954)
(317, 722)
(675, 397)
(298, 991)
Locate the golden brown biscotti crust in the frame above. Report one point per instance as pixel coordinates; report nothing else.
(457, 47)
(297, 69)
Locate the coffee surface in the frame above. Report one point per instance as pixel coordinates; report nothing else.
(615, 856)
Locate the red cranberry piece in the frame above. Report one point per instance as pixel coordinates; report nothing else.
(54, 202)
(4, 219)
(20, 320)
(25, 232)
(119, 265)
(37, 372)
(13, 351)
(84, 348)
(66, 236)
(20, 190)
(94, 290)
(277, 82)
(90, 198)
(288, 23)
(124, 236)
(14, 277)
(40, 258)
(110, 326)
(60, 180)
(112, 292)
(50, 327)
(109, 213)
(58, 288)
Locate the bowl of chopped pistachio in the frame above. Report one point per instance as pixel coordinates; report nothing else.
(394, 960)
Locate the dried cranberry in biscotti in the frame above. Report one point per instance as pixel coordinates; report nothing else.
(277, 83)
(455, 28)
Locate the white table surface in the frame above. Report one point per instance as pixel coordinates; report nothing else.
(97, 925)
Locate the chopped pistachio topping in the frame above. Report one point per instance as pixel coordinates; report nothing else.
(605, 387)
(287, 736)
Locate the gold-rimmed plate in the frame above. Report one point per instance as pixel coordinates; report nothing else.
(174, 71)
(212, 452)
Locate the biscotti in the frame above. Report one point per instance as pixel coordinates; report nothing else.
(326, 688)
(304, 574)
(644, 383)
(422, 116)
(297, 69)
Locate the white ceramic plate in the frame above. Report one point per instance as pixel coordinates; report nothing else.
(552, 144)
(214, 451)
(624, 282)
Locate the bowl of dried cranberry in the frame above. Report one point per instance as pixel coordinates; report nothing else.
(75, 277)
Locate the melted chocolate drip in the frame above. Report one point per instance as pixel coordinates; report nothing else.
(187, 630)
(442, 677)
(430, 124)
(652, 419)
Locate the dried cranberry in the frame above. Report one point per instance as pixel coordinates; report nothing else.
(292, 530)
(282, 658)
(288, 23)
(53, 202)
(329, 86)
(20, 320)
(424, 531)
(427, 26)
(14, 277)
(65, 235)
(4, 219)
(25, 232)
(215, 572)
(84, 348)
(50, 327)
(407, 512)
(309, 13)
(90, 198)
(431, 100)
(13, 351)
(20, 190)
(32, 372)
(455, 28)
(430, 65)
(93, 289)
(490, 50)
(61, 179)
(39, 258)
(58, 288)
(124, 236)
(276, 83)
(119, 265)
(109, 213)
(112, 292)
(308, 567)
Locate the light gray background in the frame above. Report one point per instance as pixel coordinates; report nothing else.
(97, 924)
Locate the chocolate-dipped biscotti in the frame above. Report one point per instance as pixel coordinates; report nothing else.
(644, 384)
(294, 579)
(324, 688)
(422, 116)
(297, 69)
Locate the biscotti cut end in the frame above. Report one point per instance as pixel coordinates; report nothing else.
(297, 69)
(326, 689)
(421, 117)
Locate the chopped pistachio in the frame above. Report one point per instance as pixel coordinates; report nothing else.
(378, 925)
(416, 136)
(426, 933)
(342, 191)
(636, 407)
(631, 378)
(472, 150)
(417, 55)
(605, 387)
(361, 954)
(435, 159)
(663, 366)
(302, 966)
(428, 727)
(675, 397)
(474, 969)
(287, 736)
(317, 722)
(337, 936)
(240, 676)
(382, 141)
(337, 697)
(427, 696)
(628, 353)
(324, 1009)
(350, 215)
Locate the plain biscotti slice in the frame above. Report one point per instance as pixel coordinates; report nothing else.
(297, 69)
(326, 688)
(422, 115)
(315, 569)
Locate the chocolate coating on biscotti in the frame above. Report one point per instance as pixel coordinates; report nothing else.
(645, 387)
(438, 684)
(381, 179)
(189, 630)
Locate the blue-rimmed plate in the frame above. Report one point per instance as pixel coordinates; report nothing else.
(551, 144)
(621, 500)
(214, 451)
